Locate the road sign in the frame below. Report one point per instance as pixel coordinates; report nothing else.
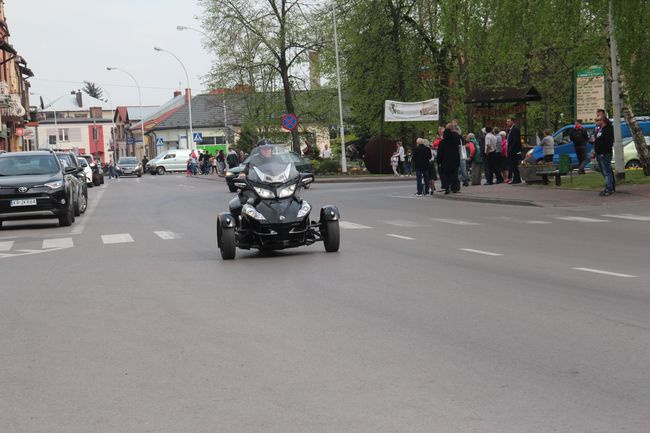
(198, 136)
(130, 140)
(160, 142)
(289, 121)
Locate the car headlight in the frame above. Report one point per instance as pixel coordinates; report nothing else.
(54, 185)
(264, 193)
(287, 191)
(304, 210)
(252, 212)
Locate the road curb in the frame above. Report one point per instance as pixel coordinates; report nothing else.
(488, 200)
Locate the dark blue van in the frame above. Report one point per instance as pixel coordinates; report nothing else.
(564, 145)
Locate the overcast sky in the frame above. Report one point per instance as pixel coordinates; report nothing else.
(66, 42)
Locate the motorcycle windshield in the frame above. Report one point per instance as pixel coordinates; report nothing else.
(271, 164)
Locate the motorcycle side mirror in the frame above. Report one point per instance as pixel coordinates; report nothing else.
(239, 183)
(307, 179)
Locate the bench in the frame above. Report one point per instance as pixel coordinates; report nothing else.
(563, 168)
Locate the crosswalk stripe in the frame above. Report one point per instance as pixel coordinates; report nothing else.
(58, 243)
(166, 235)
(120, 238)
(455, 222)
(6, 245)
(628, 216)
(352, 226)
(581, 219)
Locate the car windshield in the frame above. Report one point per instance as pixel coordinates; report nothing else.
(129, 160)
(23, 165)
(271, 164)
(83, 162)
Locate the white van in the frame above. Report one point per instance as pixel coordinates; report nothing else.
(169, 160)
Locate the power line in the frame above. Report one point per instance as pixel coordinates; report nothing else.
(103, 84)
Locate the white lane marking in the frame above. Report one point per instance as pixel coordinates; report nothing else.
(6, 246)
(612, 274)
(167, 235)
(29, 252)
(628, 216)
(402, 223)
(117, 238)
(523, 221)
(455, 222)
(352, 226)
(406, 196)
(58, 243)
(582, 219)
(485, 253)
(537, 222)
(400, 237)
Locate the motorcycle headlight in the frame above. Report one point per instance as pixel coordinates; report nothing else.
(287, 191)
(230, 173)
(264, 193)
(304, 210)
(54, 185)
(252, 212)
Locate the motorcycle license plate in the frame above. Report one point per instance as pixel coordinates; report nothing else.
(26, 202)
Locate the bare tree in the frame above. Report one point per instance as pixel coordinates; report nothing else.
(276, 34)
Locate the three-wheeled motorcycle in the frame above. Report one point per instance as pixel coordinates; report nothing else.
(268, 212)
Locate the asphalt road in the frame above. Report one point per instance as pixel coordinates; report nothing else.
(435, 316)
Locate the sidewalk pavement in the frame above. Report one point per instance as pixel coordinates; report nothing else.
(518, 195)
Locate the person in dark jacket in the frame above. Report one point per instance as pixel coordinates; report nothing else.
(421, 157)
(449, 160)
(514, 150)
(579, 137)
(603, 147)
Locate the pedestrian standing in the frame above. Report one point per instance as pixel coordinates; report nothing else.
(400, 157)
(449, 160)
(221, 162)
(514, 150)
(603, 147)
(580, 138)
(503, 156)
(394, 160)
(492, 158)
(475, 158)
(145, 160)
(408, 163)
(548, 146)
(232, 158)
(421, 158)
(433, 173)
(462, 169)
(327, 152)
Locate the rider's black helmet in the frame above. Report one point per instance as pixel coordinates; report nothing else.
(263, 142)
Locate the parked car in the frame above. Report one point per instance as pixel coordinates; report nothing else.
(303, 165)
(69, 159)
(129, 166)
(87, 171)
(630, 155)
(36, 185)
(168, 161)
(564, 145)
(98, 173)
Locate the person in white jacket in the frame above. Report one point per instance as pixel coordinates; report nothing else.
(462, 169)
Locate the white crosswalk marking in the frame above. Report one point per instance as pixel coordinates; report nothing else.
(167, 235)
(352, 226)
(117, 238)
(58, 243)
(455, 222)
(581, 219)
(6, 245)
(627, 216)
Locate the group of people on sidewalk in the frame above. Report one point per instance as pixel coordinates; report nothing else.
(205, 163)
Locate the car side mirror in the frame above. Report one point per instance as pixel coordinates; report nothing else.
(306, 179)
(70, 170)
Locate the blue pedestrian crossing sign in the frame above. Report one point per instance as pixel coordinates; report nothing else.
(160, 141)
(198, 136)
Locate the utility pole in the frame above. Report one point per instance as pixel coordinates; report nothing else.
(616, 97)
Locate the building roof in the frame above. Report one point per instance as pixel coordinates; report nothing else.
(69, 103)
(132, 113)
(163, 112)
(207, 111)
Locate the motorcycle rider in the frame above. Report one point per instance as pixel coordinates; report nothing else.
(262, 152)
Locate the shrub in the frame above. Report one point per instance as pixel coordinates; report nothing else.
(329, 166)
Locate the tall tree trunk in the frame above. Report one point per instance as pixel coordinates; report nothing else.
(639, 139)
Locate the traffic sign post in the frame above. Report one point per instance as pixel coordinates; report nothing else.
(198, 137)
(160, 142)
(289, 121)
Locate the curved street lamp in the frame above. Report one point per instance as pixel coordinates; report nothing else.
(189, 102)
(113, 68)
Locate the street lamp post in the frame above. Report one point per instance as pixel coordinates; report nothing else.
(113, 68)
(189, 102)
(225, 112)
(344, 166)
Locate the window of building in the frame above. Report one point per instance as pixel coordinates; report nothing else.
(51, 139)
(64, 134)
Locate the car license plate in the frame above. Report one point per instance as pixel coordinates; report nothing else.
(26, 202)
